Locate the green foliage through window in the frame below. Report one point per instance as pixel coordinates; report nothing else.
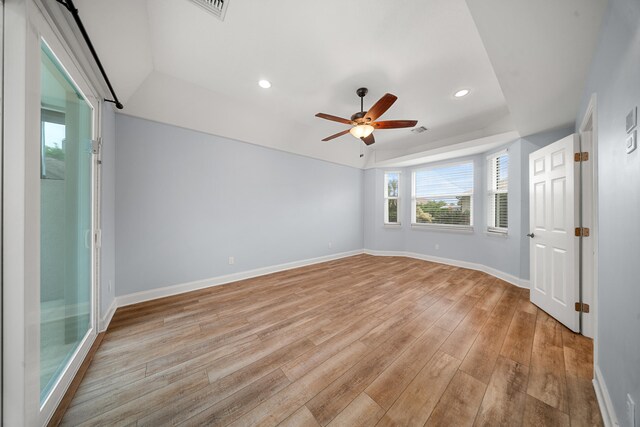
(391, 194)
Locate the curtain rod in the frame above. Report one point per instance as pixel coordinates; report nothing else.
(68, 4)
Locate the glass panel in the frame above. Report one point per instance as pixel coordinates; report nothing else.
(392, 184)
(502, 173)
(392, 210)
(501, 218)
(65, 223)
(450, 211)
(444, 194)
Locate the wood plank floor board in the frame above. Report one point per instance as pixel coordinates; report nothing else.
(519, 340)
(583, 405)
(547, 376)
(337, 395)
(538, 413)
(492, 295)
(505, 398)
(578, 355)
(414, 406)
(461, 339)
(480, 360)
(459, 403)
(309, 360)
(301, 418)
(361, 412)
(287, 401)
(428, 317)
(386, 388)
(458, 312)
(234, 406)
(357, 341)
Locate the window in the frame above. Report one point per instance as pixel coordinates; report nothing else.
(443, 196)
(391, 197)
(53, 135)
(498, 186)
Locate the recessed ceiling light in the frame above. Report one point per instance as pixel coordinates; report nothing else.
(461, 93)
(264, 84)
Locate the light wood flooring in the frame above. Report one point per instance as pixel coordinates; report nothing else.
(361, 341)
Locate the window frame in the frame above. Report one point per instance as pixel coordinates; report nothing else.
(386, 198)
(444, 227)
(492, 191)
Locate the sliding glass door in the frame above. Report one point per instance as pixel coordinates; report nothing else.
(66, 212)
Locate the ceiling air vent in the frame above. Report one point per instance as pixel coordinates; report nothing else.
(216, 7)
(419, 129)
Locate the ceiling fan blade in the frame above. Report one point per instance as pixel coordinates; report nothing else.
(380, 107)
(394, 124)
(334, 118)
(369, 139)
(344, 132)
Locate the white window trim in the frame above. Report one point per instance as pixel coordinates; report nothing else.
(491, 230)
(442, 227)
(386, 198)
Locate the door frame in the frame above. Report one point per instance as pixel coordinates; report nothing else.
(590, 217)
(27, 23)
(1, 153)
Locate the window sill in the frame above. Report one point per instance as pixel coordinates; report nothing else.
(446, 228)
(392, 225)
(497, 233)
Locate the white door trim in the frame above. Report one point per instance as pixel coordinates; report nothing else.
(1, 149)
(13, 257)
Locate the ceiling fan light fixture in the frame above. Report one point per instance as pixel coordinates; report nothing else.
(361, 131)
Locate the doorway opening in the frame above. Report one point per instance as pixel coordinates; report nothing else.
(589, 208)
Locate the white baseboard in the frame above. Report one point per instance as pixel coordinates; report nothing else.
(103, 324)
(167, 291)
(604, 400)
(521, 283)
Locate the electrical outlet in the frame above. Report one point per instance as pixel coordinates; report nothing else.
(232, 260)
(631, 411)
(110, 285)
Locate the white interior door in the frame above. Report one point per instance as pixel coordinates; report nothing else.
(554, 214)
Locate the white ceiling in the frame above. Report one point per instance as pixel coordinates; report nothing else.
(173, 62)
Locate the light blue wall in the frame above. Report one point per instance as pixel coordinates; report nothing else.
(107, 211)
(186, 201)
(508, 254)
(615, 78)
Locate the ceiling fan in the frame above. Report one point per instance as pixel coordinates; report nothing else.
(364, 122)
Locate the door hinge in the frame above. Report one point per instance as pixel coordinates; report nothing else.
(582, 232)
(581, 157)
(582, 307)
(96, 145)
